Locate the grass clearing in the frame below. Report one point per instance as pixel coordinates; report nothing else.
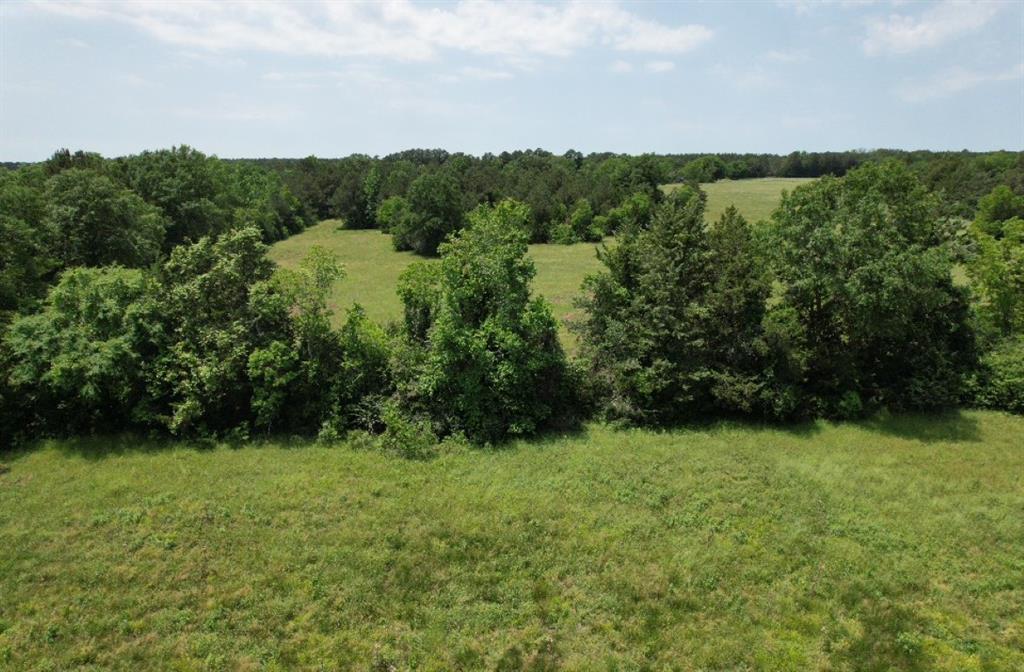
(893, 544)
(372, 266)
(755, 198)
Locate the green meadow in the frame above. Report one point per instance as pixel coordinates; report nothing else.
(372, 266)
(895, 544)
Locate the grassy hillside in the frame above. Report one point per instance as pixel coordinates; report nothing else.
(896, 544)
(373, 266)
(755, 199)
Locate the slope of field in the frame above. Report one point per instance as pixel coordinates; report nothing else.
(755, 199)
(894, 544)
(373, 267)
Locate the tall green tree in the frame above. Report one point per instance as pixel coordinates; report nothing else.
(97, 221)
(435, 211)
(866, 274)
(492, 365)
(672, 325)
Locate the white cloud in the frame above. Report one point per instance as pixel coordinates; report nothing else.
(954, 81)
(660, 66)
(898, 33)
(805, 6)
(621, 67)
(397, 29)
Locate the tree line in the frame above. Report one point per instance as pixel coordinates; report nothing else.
(574, 197)
(138, 296)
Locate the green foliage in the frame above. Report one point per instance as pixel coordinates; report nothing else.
(357, 196)
(391, 213)
(705, 169)
(580, 226)
(97, 222)
(186, 185)
(411, 438)
(419, 291)
(492, 364)
(998, 206)
(26, 242)
(864, 270)
(435, 205)
(997, 267)
(217, 307)
(673, 326)
(634, 213)
(77, 365)
(999, 382)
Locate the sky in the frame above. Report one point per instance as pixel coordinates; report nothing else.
(260, 79)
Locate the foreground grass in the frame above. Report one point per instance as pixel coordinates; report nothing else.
(897, 544)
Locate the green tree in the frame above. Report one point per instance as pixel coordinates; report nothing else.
(492, 365)
(97, 222)
(866, 275)
(189, 188)
(705, 169)
(78, 365)
(27, 242)
(435, 205)
(672, 327)
(217, 306)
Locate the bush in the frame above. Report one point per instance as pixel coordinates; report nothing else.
(78, 365)
(999, 383)
(391, 214)
(491, 363)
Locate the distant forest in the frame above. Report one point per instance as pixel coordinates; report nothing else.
(135, 292)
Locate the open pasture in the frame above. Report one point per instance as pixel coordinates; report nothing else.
(890, 544)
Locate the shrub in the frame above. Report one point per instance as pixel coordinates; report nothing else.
(391, 214)
(491, 365)
(78, 364)
(999, 383)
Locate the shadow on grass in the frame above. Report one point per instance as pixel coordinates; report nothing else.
(104, 446)
(947, 427)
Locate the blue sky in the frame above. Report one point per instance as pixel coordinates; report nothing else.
(329, 78)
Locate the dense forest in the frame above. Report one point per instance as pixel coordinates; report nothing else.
(135, 293)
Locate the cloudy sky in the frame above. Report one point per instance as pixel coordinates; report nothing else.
(332, 78)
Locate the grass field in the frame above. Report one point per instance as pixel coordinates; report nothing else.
(890, 545)
(373, 266)
(755, 199)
